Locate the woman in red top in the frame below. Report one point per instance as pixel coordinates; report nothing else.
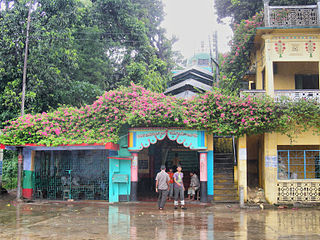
(170, 183)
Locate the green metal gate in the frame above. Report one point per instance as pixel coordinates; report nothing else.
(76, 174)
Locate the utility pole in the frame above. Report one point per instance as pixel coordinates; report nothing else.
(24, 77)
(215, 59)
(19, 178)
(211, 57)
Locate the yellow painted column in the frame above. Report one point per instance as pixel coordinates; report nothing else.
(270, 167)
(269, 78)
(242, 165)
(235, 174)
(269, 81)
(259, 70)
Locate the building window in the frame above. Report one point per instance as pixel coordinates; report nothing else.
(298, 164)
(307, 81)
(203, 62)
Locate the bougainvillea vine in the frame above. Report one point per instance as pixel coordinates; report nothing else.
(137, 107)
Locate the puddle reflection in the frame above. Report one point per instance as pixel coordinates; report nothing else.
(144, 222)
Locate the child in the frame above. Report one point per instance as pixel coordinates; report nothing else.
(178, 188)
(170, 173)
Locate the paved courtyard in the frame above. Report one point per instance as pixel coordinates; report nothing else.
(98, 220)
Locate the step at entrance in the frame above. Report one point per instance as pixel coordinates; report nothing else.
(225, 190)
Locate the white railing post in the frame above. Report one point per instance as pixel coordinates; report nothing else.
(266, 13)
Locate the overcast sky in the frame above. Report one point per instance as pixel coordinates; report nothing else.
(192, 21)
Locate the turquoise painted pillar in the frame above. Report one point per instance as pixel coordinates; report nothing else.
(210, 164)
(210, 175)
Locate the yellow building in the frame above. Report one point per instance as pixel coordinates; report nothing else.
(287, 63)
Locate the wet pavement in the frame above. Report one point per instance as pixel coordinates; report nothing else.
(99, 220)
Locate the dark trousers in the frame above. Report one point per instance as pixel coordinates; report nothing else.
(162, 198)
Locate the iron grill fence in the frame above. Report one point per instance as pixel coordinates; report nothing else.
(78, 175)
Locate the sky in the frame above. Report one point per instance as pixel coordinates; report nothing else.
(193, 21)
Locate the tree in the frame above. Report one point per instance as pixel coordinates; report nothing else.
(78, 49)
(140, 39)
(52, 57)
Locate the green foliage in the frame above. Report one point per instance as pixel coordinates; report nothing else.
(237, 10)
(236, 63)
(245, 9)
(299, 116)
(10, 169)
(150, 76)
(78, 49)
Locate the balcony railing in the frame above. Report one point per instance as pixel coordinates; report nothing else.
(292, 95)
(289, 16)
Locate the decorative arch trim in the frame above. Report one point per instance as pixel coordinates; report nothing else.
(192, 139)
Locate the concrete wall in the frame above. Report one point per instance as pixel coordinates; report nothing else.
(275, 141)
(264, 150)
(306, 138)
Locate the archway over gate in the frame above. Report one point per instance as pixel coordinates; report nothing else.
(165, 152)
(139, 139)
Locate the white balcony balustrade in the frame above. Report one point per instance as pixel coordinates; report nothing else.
(292, 95)
(290, 16)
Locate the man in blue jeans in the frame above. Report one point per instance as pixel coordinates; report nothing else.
(178, 189)
(162, 187)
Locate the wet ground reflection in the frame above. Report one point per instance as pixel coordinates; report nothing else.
(144, 221)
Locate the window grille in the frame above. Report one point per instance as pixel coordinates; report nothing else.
(298, 164)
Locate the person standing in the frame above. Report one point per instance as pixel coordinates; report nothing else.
(194, 186)
(178, 189)
(162, 187)
(170, 173)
